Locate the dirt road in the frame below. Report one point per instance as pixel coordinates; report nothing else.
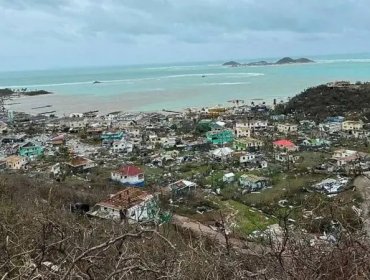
(199, 229)
(362, 184)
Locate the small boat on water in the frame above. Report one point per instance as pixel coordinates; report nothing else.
(97, 82)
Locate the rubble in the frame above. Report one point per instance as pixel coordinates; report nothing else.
(240, 153)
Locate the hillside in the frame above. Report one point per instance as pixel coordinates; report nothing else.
(333, 99)
(41, 239)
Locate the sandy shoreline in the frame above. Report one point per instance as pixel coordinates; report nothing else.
(65, 105)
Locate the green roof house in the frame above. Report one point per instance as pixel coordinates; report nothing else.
(206, 125)
(30, 149)
(112, 136)
(220, 137)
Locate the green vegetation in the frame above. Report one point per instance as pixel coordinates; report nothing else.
(246, 218)
(312, 159)
(324, 101)
(283, 187)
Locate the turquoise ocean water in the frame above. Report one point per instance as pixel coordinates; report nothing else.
(178, 86)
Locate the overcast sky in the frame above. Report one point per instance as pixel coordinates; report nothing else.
(68, 33)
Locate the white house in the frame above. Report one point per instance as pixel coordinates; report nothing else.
(228, 177)
(77, 123)
(263, 163)
(153, 138)
(122, 146)
(56, 169)
(133, 132)
(287, 128)
(132, 205)
(168, 142)
(129, 175)
(253, 182)
(330, 127)
(222, 153)
(76, 115)
(285, 157)
(247, 157)
(243, 129)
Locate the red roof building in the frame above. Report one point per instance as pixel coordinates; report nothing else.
(129, 175)
(58, 140)
(285, 144)
(130, 170)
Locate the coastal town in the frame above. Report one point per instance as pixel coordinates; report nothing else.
(233, 171)
(184, 140)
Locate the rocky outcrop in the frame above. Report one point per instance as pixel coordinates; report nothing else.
(232, 64)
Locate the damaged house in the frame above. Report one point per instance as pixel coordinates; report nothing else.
(80, 164)
(220, 137)
(253, 183)
(31, 150)
(181, 188)
(247, 144)
(16, 162)
(109, 137)
(131, 205)
(59, 140)
(343, 157)
(331, 186)
(122, 146)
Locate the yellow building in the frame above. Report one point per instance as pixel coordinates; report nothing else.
(352, 125)
(16, 162)
(216, 111)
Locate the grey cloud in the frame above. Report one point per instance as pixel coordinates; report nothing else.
(195, 20)
(162, 27)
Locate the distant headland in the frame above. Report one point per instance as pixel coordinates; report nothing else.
(285, 60)
(7, 92)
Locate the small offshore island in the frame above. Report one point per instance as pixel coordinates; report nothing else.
(285, 60)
